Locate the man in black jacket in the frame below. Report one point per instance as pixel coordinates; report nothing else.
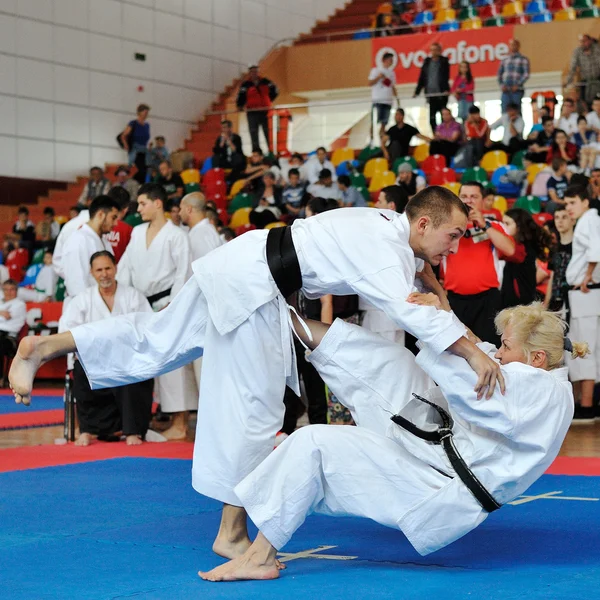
(434, 77)
(227, 151)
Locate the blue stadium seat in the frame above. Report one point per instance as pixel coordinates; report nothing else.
(535, 7)
(502, 185)
(449, 26)
(544, 17)
(206, 166)
(343, 168)
(423, 18)
(363, 34)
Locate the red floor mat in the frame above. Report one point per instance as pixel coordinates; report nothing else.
(574, 465)
(39, 418)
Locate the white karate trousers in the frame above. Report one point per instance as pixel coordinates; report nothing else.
(585, 329)
(343, 470)
(242, 386)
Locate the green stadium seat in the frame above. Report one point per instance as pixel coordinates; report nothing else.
(404, 159)
(532, 204)
(475, 174)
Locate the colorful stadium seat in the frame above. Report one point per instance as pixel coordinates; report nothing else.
(214, 184)
(436, 162)
(493, 160)
(449, 26)
(517, 159)
(237, 187)
(190, 176)
(444, 15)
(404, 159)
(423, 18)
(382, 179)
(241, 201)
(567, 14)
(474, 23)
(439, 177)
(453, 186)
(206, 166)
(543, 17)
(500, 204)
(532, 204)
(16, 262)
(535, 7)
(275, 225)
(240, 217)
(512, 9)
(501, 183)
(375, 165)
(533, 170)
(421, 152)
(494, 22)
(342, 154)
(475, 174)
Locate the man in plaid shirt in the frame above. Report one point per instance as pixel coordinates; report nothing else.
(586, 58)
(512, 75)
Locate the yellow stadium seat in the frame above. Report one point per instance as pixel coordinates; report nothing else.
(341, 155)
(273, 225)
(500, 203)
(453, 186)
(61, 219)
(385, 8)
(375, 165)
(190, 176)
(421, 152)
(442, 4)
(494, 159)
(533, 170)
(567, 14)
(474, 23)
(381, 179)
(237, 187)
(240, 217)
(512, 9)
(445, 14)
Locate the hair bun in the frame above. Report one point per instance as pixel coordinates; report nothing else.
(579, 349)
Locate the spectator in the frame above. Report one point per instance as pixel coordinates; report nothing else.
(316, 164)
(256, 95)
(396, 141)
(227, 151)
(44, 289)
(202, 235)
(124, 181)
(409, 181)
(24, 230)
(557, 293)
(585, 140)
(470, 275)
(513, 126)
(568, 121)
(295, 162)
(560, 147)
(12, 320)
(227, 234)
(539, 146)
(325, 187)
(433, 78)
(134, 141)
(382, 81)
(513, 73)
(351, 197)
(294, 194)
(97, 185)
(544, 111)
(159, 152)
(174, 210)
(171, 181)
(489, 197)
(593, 187)
(557, 185)
(120, 234)
(47, 229)
(270, 192)
(74, 212)
(593, 117)
(255, 169)
(519, 278)
(477, 132)
(463, 90)
(448, 136)
(586, 60)
(392, 197)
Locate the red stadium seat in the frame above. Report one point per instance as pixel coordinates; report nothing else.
(243, 228)
(16, 263)
(214, 185)
(436, 162)
(442, 176)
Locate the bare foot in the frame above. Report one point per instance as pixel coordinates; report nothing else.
(175, 433)
(248, 566)
(24, 367)
(226, 549)
(84, 439)
(133, 440)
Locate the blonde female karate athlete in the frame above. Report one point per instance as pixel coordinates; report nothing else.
(384, 470)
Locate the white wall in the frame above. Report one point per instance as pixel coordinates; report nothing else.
(69, 82)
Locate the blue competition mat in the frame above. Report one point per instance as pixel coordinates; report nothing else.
(8, 404)
(135, 528)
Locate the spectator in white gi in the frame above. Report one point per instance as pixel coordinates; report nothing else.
(316, 164)
(45, 283)
(12, 320)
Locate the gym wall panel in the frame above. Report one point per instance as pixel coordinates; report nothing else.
(72, 124)
(8, 115)
(8, 74)
(71, 47)
(35, 119)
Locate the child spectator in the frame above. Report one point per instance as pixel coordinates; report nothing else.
(557, 184)
(296, 162)
(477, 131)
(24, 229)
(350, 195)
(74, 211)
(382, 81)
(489, 196)
(557, 294)
(585, 140)
(540, 144)
(47, 229)
(159, 152)
(560, 147)
(462, 89)
(293, 194)
(325, 187)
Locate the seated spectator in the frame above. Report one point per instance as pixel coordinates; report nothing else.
(325, 187)
(448, 135)
(489, 197)
(12, 320)
(254, 171)
(158, 152)
(593, 189)
(557, 184)
(593, 117)
(462, 89)
(543, 112)
(477, 132)
(74, 212)
(227, 151)
(568, 121)
(539, 145)
(316, 206)
(409, 181)
(396, 141)
(316, 164)
(392, 197)
(124, 181)
(295, 162)
(270, 192)
(294, 194)
(561, 147)
(586, 143)
(24, 230)
(512, 138)
(45, 283)
(97, 185)
(47, 229)
(170, 181)
(350, 195)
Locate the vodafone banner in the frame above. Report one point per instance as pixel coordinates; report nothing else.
(482, 48)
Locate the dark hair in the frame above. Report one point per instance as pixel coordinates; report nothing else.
(469, 75)
(324, 173)
(121, 195)
(529, 232)
(23, 210)
(298, 156)
(258, 151)
(293, 172)
(576, 190)
(513, 106)
(104, 203)
(387, 55)
(488, 190)
(568, 101)
(321, 148)
(397, 195)
(154, 191)
(581, 118)
(321, 205)
(401, 111)
(173, 203)
(11, 282)
(557, 163)
(160, 138)
(76, 208)
(228, 233)
(100, 255)
(142, 107)
(474, 110)
(547, 119)
(344, 180)
(97, 169)
(227, 122)
(437, 203)
(546, 108)
(472, 183)
(49, 211)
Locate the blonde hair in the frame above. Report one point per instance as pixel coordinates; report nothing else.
(535, 328)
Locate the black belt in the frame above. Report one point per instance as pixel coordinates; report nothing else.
(591, 286)
(443, 436)
(283, 261)
(156, 297)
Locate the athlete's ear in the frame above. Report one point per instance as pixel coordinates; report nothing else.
(422, 224)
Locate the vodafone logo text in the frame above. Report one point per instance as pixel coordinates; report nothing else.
(472, 54)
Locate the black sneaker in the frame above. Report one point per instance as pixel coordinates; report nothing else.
(584, 415)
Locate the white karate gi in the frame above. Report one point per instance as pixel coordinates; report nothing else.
(378, 322)
(45, 286)
(18, 312)
(65, 233)
(233, 309)
(203, 238)
(164, 265)
(313, 167)
(380, 471)
(585, 308)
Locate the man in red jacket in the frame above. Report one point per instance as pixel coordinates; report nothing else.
(256, 95)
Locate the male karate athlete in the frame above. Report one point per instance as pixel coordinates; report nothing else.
(233, 313)
(440, 465)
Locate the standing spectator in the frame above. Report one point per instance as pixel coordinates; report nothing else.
(158, 152)
(256, 95)
(294, 194)
(227, 151)
(120, 234)
(583, 275)
(568, 117)
(586, 60)
(134, 140)
(463, 89)
(561, 147)
(471, 275)
(409, 181)
(396, 141)
(585, 140)
(317, 163)
(382, 81)
(434, 77)
(325, 187)
(557, 294)
(537, 151)
(12, 319)
(477, 132)
(124, 181)
(351, 197)
(557, 185)
(97, 185)
(171, 181)
(513, 126)
(392, 197)
(513, 73)
(448, 136)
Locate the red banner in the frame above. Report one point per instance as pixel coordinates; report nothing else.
(484, 49)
